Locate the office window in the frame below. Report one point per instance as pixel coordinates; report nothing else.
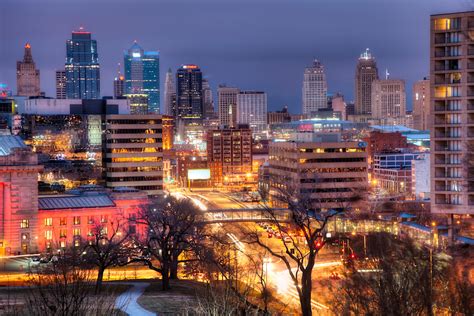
(48, 221)
(25, 223)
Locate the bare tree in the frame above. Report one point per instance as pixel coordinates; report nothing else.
(405, 279)
(108, 246)
(309, 217)
(174, 226)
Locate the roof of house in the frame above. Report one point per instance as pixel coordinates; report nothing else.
(68, 202)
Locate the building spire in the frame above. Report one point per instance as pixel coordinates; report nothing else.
(27, 58)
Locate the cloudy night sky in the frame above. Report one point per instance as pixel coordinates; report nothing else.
(252, 44)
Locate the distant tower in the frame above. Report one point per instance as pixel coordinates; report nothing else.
(60, 84)
(421, 104)
(27, 76)
(227, 105)
(119, 84)
(366, 72)
(388, 98)
(170, 94)
(82, 66)
(189, 103)
(314, 88)
(252, 110)
(208, 102)
(142, 75)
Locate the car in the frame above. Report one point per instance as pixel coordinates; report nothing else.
(287, 239)
(45, 259)
(278, 235)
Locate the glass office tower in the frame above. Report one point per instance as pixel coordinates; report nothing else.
(142, 75)
(82, 67)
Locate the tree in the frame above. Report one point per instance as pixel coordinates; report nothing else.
(107, 247)
(310, 219)
(406, 279)
(174, 227)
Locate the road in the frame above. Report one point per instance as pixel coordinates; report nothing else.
(278, 275)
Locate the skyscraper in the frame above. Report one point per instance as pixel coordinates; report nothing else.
(252, 110)
(388, 98)
(142, 75)
(452, 108)
(366, 72)
(82, 66)
(60, 84)
(227, 105)
(207, 100)
(314, 88)
(170, 93)
(189, 102)
(27, 76)
(421, 104)
(119, 84)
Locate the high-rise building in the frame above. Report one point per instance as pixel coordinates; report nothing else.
(452, 108)
(60, 84)
(138, 103)
(170, 94)
(326, 172)
(189, 101)
(338, 105)
(27, 76)
(229, 154)
(82, 66)
(421, 104)
(208, 102)
(388, 98)
(19, 196)
(277, 117)
(227, 105)
(133, 152)
(252, 110)
(142, 75)
(119, 85)
(366, 73)
(314, 88)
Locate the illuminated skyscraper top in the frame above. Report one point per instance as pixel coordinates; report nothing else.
(142, 75)
(366, 72)
(82, 66)
(27, 76)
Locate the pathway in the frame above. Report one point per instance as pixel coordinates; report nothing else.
(127, 301)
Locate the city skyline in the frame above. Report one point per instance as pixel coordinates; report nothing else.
(260, 56)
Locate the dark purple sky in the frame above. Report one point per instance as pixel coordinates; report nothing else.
(253, 44)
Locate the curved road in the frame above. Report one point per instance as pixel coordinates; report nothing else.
(127, 301)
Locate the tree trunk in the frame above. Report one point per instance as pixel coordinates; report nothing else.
(98, 283)
(165, 277)
(174, 269)
(307, 288)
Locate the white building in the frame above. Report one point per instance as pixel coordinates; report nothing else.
(73, 106)
(420, 176)
(388, 98)
(170, 93)
(314, 88)
(227, 105)
(252, 110)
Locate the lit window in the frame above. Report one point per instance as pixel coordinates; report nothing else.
(63, 221)
(103, 219)
(76, 232)
(48, 234)
(77, 220)
(24, 223)
(48, 221)
(63, 233)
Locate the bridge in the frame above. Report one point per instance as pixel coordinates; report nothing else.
(246, 215)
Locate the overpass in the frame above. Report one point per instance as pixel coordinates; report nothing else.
(245, 215)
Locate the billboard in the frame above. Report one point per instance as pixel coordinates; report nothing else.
(199, 174)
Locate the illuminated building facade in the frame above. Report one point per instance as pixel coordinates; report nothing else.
(119, 86)
(61, 84)
(252, 110)
(27, 76)
(67, 220)
(388, 98)
(189, 99)
(19, 195)
(421, 104)
(279, 116)
(82, 67)
(207, 100)
(227, 105)
(229, 154)
(142, 75)
(138, 103)
(452, 109)
(366, 73)
(134, 152)
(327, 172)
(314, 88)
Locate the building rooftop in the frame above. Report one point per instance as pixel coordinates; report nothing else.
(8, 142)
(393, 128)
(68, 202)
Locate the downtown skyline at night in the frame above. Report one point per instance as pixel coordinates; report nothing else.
(265, 48)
